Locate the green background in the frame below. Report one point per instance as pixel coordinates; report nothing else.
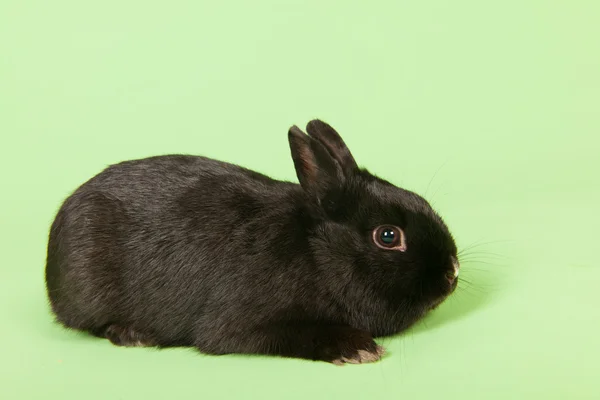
(490, 109)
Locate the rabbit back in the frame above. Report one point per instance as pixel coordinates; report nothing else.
(176, 246)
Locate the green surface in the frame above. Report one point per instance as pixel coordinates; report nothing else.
(502, 99)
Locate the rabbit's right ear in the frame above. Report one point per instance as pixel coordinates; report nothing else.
(333, 142)
(316, 169)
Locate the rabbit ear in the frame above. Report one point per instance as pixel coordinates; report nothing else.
(316, 169)
(329, 138)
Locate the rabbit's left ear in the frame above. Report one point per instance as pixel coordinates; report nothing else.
(332, 140)
(316, 168)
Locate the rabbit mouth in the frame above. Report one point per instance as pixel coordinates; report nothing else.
(449, 286)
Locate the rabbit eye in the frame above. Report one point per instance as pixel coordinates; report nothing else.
(389, 238)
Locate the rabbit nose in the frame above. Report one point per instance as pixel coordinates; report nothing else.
(452, 274)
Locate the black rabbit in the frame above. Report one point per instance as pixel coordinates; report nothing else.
(187, 251)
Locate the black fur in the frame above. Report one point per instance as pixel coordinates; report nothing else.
(188, 251)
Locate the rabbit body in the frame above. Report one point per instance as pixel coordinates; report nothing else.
(184, 250)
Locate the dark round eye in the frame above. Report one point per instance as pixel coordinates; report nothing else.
(390, 238)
